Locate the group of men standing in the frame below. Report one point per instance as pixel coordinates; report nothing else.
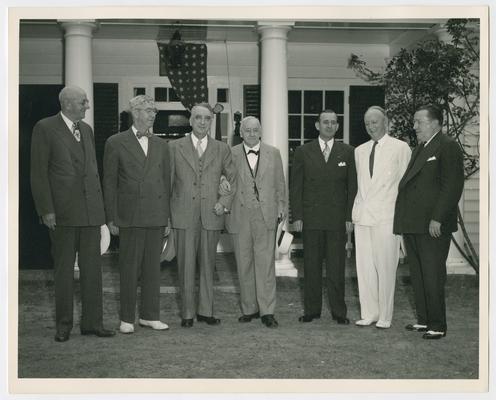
(198, 186)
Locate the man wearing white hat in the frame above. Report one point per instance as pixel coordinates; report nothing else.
(259, 202)
(380, 164)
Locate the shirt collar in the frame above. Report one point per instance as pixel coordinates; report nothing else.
(381, 141)
(432, 137)
(135, 131)
(256, 147)
(323, 143)
(195, 140)
(67, 121)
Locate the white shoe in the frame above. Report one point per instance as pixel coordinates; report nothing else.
(126, 327)
(157, 325)
(383, 324)
(364, 322)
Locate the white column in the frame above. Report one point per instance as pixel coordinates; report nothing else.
(79, 59)
(274, 104)
(455, 263)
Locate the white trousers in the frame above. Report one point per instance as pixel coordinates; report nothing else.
(377, 255)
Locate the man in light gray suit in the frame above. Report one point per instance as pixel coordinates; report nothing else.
(197, 210)
(259, 202)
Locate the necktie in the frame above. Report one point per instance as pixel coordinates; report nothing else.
(139, 134)
(76, 132)
(253, 152)
(326, 152)
(199, 148)
(371, 159)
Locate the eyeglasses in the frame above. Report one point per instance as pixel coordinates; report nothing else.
(149, 110)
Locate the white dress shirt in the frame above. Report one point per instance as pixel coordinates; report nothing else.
(322, 143)
(252, 158)
(143, 140)
(203, 143)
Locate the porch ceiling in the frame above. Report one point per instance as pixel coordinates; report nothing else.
(365, 32)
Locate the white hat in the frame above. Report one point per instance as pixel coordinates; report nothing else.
(168, 247)
(104, 239)
(283, 238)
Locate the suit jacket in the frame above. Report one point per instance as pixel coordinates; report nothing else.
(270, 184)
(64, 174)
(322, 194)
(376, 196)
(136, 187)
(195, 187)
(431, 187)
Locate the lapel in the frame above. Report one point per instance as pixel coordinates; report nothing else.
(188, 152)
(153, 149)
(240, 161)
(210, 151)
(334, 157)
(419, 157)
(132, 145)
(380, 163)
(67, 138)
(263, 161)
(316, 153)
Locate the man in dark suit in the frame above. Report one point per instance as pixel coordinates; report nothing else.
(136, 184)
(68, 198)
(323, 188)
(426, 215)
(259, 202)
(197, 211)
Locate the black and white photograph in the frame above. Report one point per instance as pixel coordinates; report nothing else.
(248, 199)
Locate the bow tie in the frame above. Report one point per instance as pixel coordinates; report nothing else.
(253, 152)
(139, 134)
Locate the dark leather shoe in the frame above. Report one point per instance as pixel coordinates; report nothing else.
(416, 328)
(102, 332)
(433, 335)
(62, 336)
(248, 317)
(208, 320)
(341, 320)
(308, 317)
(269, 321)
(187, 323)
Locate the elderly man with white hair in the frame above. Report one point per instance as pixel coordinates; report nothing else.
(380, 164)
(259, 203)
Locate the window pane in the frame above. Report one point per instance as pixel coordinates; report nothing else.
(172, 95)
(221, 95)
(310, 132)
(294, 101)
(313, 101)
(160, 94)
(294, 127)
(139, 91)
(334, 99)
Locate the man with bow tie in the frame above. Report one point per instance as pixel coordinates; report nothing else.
(426, 215)
(323, 187)
(67, 196)
(380, 164)
(197, 211)
(136, 185)
(259, 203)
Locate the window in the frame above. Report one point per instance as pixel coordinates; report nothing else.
(222, 95)
(304, 107)
(165, 95)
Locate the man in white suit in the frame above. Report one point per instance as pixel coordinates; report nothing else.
(380, 164)
(259, 201)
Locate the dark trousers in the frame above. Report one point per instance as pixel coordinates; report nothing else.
(66, 241)
(427, 259)
(139, 259)
(320, 244)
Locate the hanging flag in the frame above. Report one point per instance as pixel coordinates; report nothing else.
(185, 64)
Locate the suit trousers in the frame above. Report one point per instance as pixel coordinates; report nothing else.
(377, 255)
(191, 245)
(139, 259)
(427, 259)
(254, 249)
(320, 244)
(66, 241)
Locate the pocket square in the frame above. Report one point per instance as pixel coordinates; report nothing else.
(431, 158)
(342, 164)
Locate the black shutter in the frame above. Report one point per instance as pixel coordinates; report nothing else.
(251, 100)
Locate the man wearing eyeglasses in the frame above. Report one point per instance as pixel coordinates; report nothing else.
(67, 196)
(323, 187)
(426, 215)
(136, 186)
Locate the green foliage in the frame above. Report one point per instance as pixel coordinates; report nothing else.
(433, 72)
